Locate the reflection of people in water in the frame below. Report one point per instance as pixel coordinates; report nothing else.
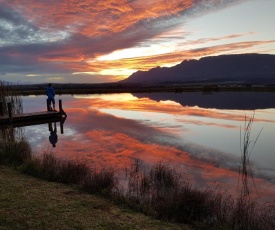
(53, 134)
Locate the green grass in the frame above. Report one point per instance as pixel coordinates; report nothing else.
(30, 203)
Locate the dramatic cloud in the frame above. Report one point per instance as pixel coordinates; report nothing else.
(69, 39)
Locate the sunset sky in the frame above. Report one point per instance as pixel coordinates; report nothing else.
(72, 41)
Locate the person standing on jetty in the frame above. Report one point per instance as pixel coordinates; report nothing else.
(51, 94)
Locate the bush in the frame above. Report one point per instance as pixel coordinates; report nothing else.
(50, 168)
(102, 181)
(72, 172)
(14, 153)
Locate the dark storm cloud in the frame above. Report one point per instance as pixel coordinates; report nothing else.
(13, 27)
(10, 15)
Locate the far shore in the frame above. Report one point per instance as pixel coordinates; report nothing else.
(106, 88)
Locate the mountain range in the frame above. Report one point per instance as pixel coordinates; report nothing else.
(235, 68)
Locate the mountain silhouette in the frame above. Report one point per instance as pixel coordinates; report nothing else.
(240, 68)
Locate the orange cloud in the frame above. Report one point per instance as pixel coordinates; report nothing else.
(64, 37)
(148, 62)
(96, 18)
(100, 27)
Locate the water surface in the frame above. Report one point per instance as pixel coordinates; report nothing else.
(198, 134)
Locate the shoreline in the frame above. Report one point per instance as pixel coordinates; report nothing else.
(135, 88)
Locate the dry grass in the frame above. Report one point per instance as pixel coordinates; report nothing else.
(164, 194)
(14, 153)
(30, 203)
(8, 95)
(50, 168)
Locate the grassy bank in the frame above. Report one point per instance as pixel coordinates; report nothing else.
(160, 193)
(30, 203)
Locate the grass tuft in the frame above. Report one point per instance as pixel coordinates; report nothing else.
(14, 153)
(50, 168)
(102, 182)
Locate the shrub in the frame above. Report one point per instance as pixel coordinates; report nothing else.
(102, 181)
(72, 172)
(49, 167)
(14, 153)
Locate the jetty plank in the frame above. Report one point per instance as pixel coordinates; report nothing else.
(29, 117)
(17, 120)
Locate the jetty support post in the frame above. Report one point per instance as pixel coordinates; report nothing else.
(61, 111)
(62, 120)
(10, 112)
(1, 108)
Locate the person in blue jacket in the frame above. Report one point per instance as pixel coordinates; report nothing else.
(51, 94)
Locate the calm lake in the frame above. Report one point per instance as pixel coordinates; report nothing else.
(198, 134)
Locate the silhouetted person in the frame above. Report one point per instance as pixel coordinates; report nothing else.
(51, 94)
(53, 135)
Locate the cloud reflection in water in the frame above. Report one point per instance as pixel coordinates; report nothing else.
(106, 131)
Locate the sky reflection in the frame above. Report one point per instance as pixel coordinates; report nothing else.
(204, 144)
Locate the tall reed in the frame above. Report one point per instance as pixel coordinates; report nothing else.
(14, 147)
(247, 145)
(9, 95)
(165, 194)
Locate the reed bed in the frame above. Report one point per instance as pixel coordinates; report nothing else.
(164, 193)
(8, 95)
(14, 147)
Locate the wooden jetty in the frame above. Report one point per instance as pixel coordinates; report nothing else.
(19, 120)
